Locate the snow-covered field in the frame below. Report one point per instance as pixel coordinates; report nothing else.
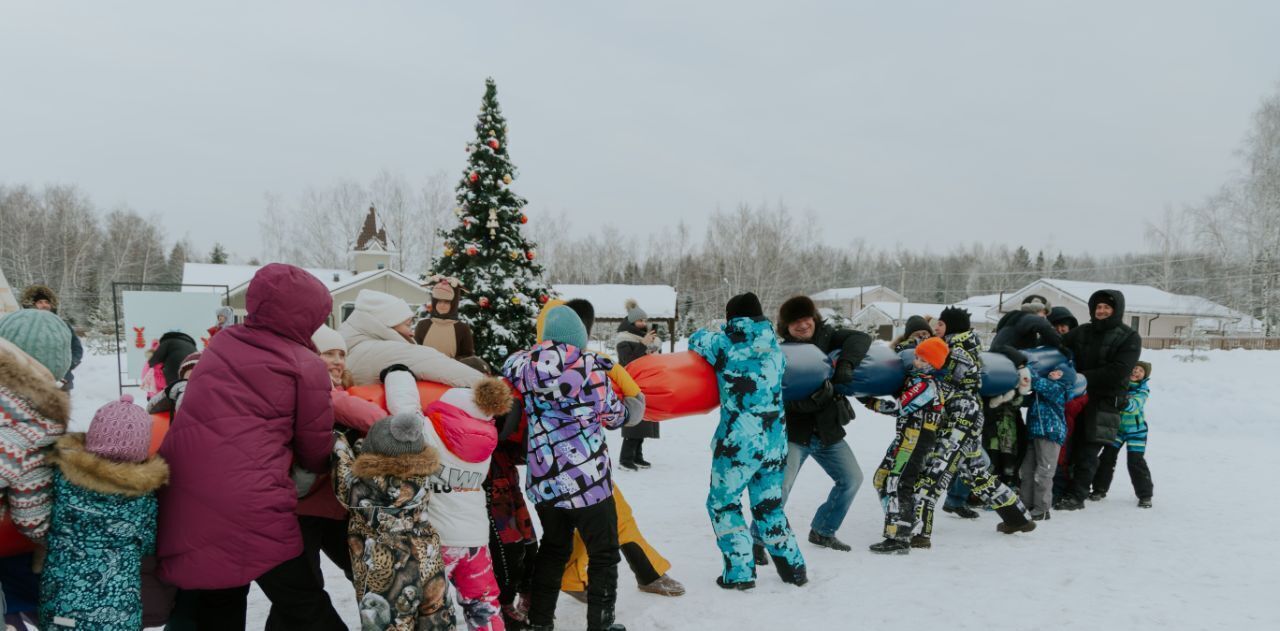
(1204, 558)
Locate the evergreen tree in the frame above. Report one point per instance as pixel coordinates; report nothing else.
(219, 254)
(486, 250)
(177, 261)
(1040, 262)
(1021, 260)
(1059, 265)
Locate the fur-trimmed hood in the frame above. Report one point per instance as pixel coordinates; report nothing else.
(29, 380)
(38, 292)
(98, 474)
(492, 396)
(420, 465)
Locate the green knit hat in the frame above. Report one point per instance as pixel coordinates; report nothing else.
(42, 335)
(563, 326)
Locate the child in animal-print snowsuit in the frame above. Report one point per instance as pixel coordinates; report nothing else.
(958, 447)
(395, 553)
(750, 444)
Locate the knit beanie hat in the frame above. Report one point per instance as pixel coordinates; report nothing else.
(188, 364)
(1062, 315)
(916, 323)
(1146, 368)
(396, 436)
(120, 431)
(386, 309)
(634, 312)
(42, 335)
(327, 339)
(563, 326)
(956, 319)
(934, 351)
(796, 308)
(743, 306)
(586, 312)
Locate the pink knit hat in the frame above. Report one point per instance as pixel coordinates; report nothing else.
(120, 431)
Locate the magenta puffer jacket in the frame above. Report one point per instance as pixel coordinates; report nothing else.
(257, 403)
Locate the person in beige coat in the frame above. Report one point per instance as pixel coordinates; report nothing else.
(379, 333)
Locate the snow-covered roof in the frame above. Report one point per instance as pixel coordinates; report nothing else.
(659, 301)
(1137, 298)
(984, 306)
(850, 293)
(907, 309)
(236, 277)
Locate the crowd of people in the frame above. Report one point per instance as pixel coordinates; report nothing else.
(274, 456)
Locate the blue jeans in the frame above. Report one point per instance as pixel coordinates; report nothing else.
(841, 465)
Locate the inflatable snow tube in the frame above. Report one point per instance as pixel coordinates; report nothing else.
(429, 391)
(1043, 359)
(879, 374)
(675, 385)
(806, 369)
(999, 375)
(159, 427)
(1081, 385)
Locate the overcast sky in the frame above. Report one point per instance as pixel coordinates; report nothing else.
(1054, 125)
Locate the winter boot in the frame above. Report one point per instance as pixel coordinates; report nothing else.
(639, 457)
(828, 541)
(605, 622)
(1144, 502)
(1070, 503)
(1097, 496)
(891, 546)
(664, 586)
(1040, 516)
(627, 457)
(963, 512)
(795, 575)
(758, 553)
(738, 585)
(1014, 520)
(921, 542)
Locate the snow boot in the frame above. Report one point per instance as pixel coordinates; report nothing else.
(891, 546)
(828, 541)
(1144, 502)
(639, 457)
(1070, 503)
(738, 585)
(1014, 520)
(1040, 516)
(963, 512)
(1097, 496)
(758, 553)
(921, 542)
(794, 575)
(605, 623)
(664, 586)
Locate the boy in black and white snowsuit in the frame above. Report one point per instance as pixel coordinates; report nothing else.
(958, 447)
(919, 410)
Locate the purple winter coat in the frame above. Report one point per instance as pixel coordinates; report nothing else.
(257, 403)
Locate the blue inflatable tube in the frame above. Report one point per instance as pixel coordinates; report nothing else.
(806, 369)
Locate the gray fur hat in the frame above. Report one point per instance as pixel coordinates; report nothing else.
(396, 436)
(634, 312)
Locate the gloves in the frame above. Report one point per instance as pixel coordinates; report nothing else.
(382, 376)
(1024, 381)
(867, 401)
(824, 393)
(844, 372)
(635, 409)
(997, 401)
(303, 480)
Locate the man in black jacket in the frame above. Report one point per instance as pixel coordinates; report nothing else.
(815, 426)
(1105, 351)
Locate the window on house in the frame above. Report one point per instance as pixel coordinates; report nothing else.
(1177, 331)
(347, 309)
(1133, 322)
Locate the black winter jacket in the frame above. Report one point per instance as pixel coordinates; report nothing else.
(1105, 351)
(826, 412)
(174, 347)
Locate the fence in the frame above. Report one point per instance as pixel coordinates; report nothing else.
(1216, 343)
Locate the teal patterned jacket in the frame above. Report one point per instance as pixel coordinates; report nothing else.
(749, 364)
(104, 522)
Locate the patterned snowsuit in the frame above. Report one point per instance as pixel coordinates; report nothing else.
(958, 448)
(104, 522)
(399, 572)
(919, 410)
(1133, 433)
(750, 445)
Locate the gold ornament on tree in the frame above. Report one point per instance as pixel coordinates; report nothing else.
(515, 300)
(506, 179)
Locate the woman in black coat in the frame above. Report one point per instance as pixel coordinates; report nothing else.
(635, 340)
(174, 347)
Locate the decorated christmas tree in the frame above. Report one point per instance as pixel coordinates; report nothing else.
(486, 251)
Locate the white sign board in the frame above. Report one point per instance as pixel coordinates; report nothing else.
(150, 314)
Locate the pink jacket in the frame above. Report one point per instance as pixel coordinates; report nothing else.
(359, 415)
(259, 402)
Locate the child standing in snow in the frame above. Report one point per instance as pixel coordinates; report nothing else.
(569, 402)
(1133, 433)
(919, 410)
(1047, 429)
(750, 444)
(459, 426)
(104, 522)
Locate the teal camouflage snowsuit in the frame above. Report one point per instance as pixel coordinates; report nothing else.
(750, 445)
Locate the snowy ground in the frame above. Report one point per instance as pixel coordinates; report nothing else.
(1203, 558)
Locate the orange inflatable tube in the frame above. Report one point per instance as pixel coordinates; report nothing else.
(675, 385)
(430, 392)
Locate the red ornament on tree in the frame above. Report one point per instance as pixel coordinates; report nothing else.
(493, 144)
(474, 177)
(543, 299)
(530, 254)
(524, 218)
(483, 302)
(472, 251)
